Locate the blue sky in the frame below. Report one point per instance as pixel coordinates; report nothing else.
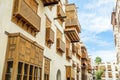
(97, 33)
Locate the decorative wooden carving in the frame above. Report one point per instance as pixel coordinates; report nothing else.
(50, 2)
(25, 16)
(60, 45)
(50, 35)
(23, 49)
(68, 53)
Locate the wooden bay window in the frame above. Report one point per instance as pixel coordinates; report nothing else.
(25, 15)
(26, 59)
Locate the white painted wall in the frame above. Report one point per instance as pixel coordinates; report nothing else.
(57, 62)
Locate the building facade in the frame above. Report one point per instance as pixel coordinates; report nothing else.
(115, 21)
(110, 71)
(86, 64)
(39, 40)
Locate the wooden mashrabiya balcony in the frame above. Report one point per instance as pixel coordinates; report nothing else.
(72, 28)
(49, 35)
(60, 45)
(84, 53)
(113, 18)
(50, 2)
(70, 72)
(23, 12)
(21, 48)
(68, 53)
(60, 13)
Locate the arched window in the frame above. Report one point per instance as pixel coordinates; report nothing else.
(58, 75)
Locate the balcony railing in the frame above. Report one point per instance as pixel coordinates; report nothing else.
(50, 35)
(50, 2)
(68, 53)
(72, 28)
(60, 45)
(26, 14)
(72, 23)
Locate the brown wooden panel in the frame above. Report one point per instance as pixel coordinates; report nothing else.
(68, 53)
(49, 35)
(70, 72)
(73, 47)
(73, 23)
(60, 13)
(60, 45)
(59, 34)
(79, 49)
(46, 66)
(33, 4)
(12, 45)
(84, 53)
(68, 42)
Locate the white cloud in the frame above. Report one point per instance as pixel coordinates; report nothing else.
(96, 17)
(95, 23)
(98, 3)
(96, 40)
(99, 24)
(106, 55)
